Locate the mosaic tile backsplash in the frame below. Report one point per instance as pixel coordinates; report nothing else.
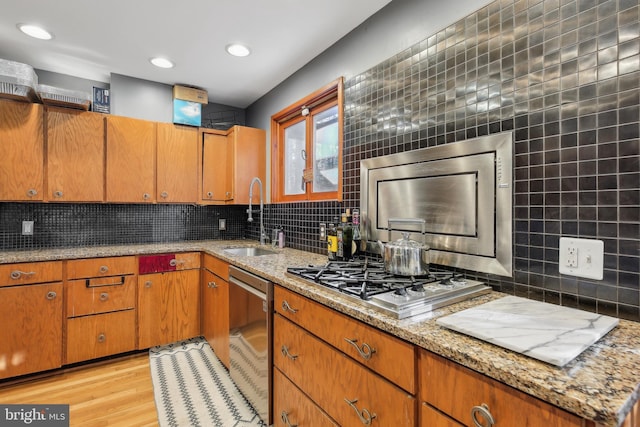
(563, 75)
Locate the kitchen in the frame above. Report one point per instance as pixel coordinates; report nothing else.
(575, 151)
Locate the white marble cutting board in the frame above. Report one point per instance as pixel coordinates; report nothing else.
(544, 331)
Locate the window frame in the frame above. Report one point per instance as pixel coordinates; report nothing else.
(324, 98)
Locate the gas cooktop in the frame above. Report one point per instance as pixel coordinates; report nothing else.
(365, 279)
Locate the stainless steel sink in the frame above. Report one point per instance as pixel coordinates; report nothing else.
(249, 251)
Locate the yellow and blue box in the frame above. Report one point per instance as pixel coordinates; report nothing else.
(187, 105)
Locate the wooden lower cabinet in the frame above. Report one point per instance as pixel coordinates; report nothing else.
(455, 390)
(31, 331)
(291, 407)
(91, 337)
(168, 307)
(350, 393)
(215, 314)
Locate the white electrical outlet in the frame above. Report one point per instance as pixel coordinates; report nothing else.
(222, 224)
(27, 228)
(581, 257)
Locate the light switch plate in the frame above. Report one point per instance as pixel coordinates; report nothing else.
(27, 228)
(222, 224)
(581, 257)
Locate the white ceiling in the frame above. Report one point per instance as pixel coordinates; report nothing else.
(93, 39)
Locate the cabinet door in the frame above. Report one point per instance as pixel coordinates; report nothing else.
(250, 161)
(75, 156)
(131, 158)
(215, 314)
(177, 164)
(22, 159)
(168, 307)
(217, 168)
(31, 333)
(455, 390)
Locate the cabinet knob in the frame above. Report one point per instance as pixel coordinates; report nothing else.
(164, 194)
(146, 196)
(104, 296)
(365, 416)
(17, 274)
(228, 194)
(104, 269)
(102, 338)
(212, 285)
(58, 193)
(210, 194)
(51, 295)
(147, 284)
(32, 192)
(483, 410)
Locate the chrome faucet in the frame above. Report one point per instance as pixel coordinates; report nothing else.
(250, 210)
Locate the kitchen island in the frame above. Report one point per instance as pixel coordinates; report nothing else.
(600, 385)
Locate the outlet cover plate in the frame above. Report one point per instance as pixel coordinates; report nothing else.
(27, 228)
(581, 257)
(222, 224)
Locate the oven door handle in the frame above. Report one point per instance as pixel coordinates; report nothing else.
(250, 289)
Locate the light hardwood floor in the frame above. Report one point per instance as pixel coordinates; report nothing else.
(116, 393)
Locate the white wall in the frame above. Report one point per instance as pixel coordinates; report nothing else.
(393, 29)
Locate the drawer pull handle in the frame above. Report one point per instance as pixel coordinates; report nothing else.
(365, 416)
(103, 269)
(483, 410)
(102, 338)
(51, 295)
(365, 352)
(16, 274)
(174, 262)
(285, 352)
(285, 419)
(89, 284)
(287, 307)
(32, 192)
(104, 296)
(212, 285)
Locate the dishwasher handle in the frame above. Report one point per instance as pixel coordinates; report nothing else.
(247, 287)
(249, 279)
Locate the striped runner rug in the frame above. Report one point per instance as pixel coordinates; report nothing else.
(192, 388)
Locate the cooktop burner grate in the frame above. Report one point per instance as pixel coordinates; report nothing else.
(400, 296)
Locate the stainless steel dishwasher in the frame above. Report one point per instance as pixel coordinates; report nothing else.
(250, 328)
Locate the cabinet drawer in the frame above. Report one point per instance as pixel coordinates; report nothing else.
(217, 266)
(431, 417)
(389, 356)
(101, 267)
(292, 406)
(345, 389)
(90, 337)
(32, 272)
(188, 260)
(103, 295)
(455, 390)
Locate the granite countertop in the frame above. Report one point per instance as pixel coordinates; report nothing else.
(601, 384)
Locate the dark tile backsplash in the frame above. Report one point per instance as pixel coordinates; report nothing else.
(564, 76)
(68, 225)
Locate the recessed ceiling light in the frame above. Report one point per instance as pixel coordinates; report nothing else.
(161, 62)
(35, 31)
(238, 49)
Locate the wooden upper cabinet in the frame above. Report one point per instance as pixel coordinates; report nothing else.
(131, 160)
(177, 164)
(22, 159)
(217, 168)
(250, 153)
(75, 156)
(230, 161)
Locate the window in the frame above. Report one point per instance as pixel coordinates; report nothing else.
(306, 142)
